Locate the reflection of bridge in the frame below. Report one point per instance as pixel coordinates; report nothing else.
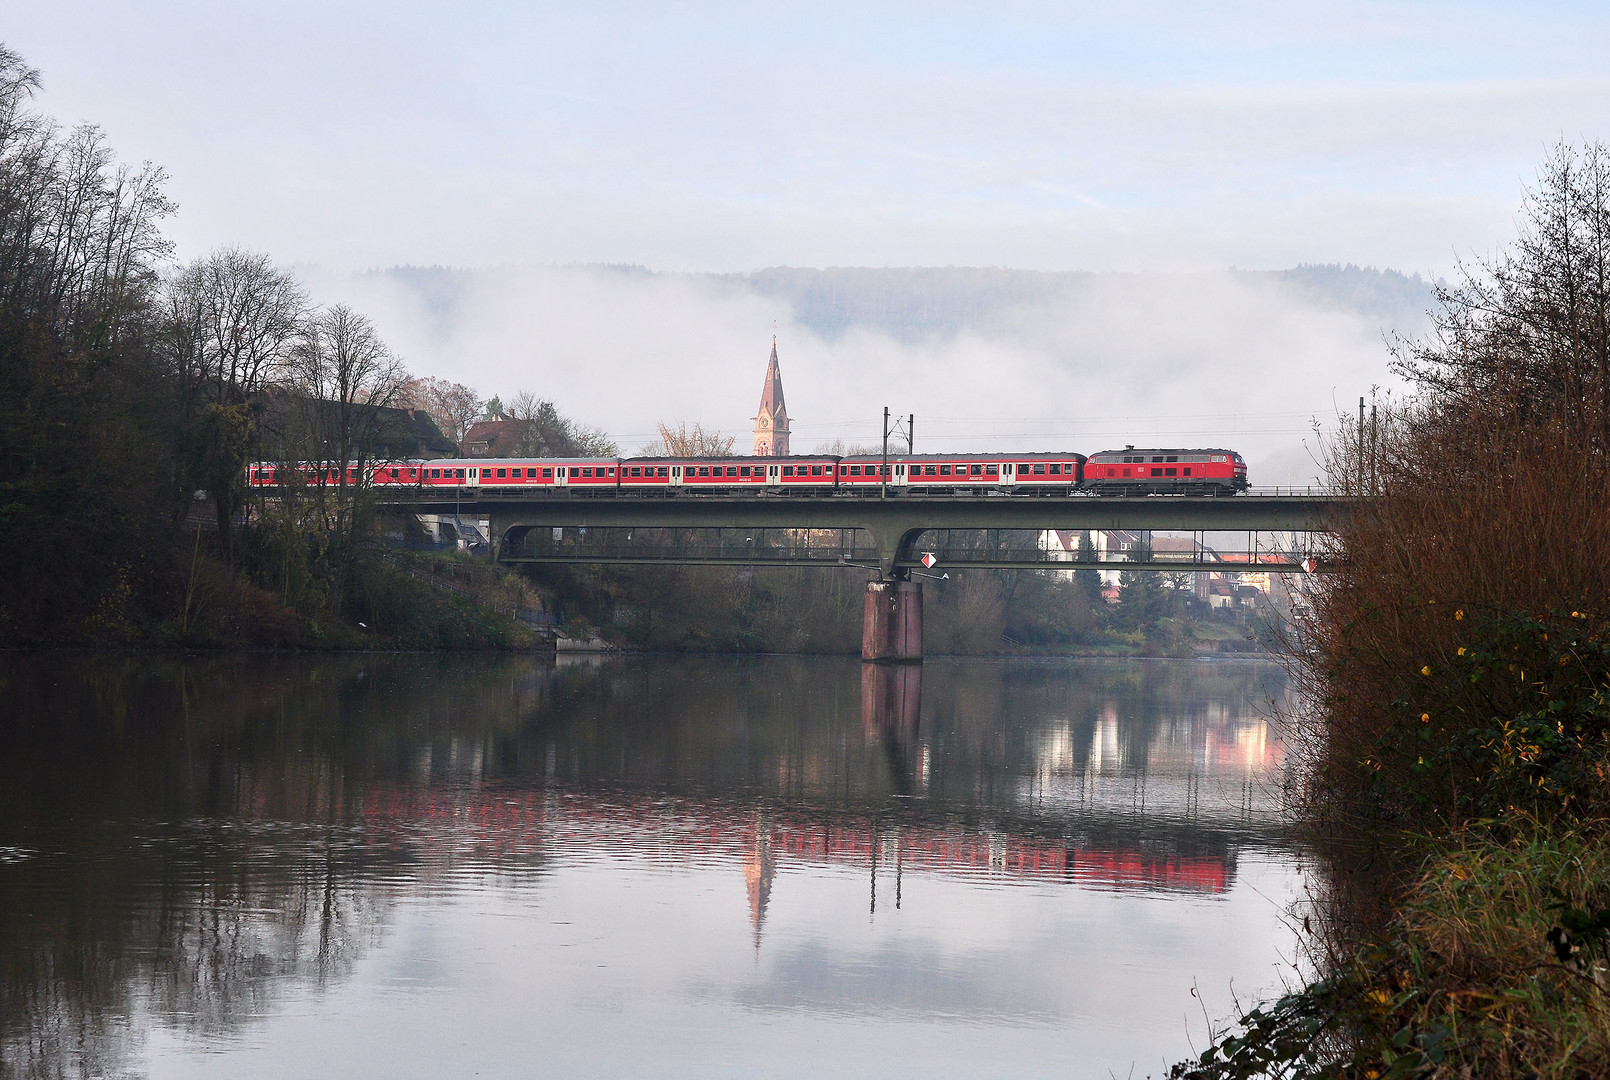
(888, 535)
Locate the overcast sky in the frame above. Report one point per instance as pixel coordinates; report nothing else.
(728, 137)
(537, 139)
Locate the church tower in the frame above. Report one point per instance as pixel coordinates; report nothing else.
(771, 425)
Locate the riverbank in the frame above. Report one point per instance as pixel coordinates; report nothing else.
(394, 599)
(1456, 738)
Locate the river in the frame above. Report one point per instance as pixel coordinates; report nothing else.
(424, 866)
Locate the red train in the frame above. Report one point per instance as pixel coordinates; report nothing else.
(1129, 471)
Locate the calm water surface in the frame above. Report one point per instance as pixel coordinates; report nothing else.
(418, 866)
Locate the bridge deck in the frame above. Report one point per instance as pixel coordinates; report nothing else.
(892, 527)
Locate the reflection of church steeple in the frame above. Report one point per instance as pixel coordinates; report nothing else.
(759, 869)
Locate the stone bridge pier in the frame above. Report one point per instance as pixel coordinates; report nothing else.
(892, 629)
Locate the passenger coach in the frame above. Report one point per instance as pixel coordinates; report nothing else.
(1111, 472)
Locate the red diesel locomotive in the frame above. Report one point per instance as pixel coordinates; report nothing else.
(1111, 472)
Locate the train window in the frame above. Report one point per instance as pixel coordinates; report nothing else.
(637, 470)
(744, 471)
(1056, 469)
(587, 471)
(989, 470)
(1170, 472)
(547, 474)
(1157, 457)
(458, 474)
(1126, 472)
(816, 470)
(976, 470)
(1187, 470)
(503, 472)
(1220, 457)
(1039, 470)
(1157, 472)
(788, 470)
(855, 470)
(662, 471)
(944, 470)
(1173, 457)
(732, 470)
(704, 470)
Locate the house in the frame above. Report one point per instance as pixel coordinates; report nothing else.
(293, 426)
(496, 438)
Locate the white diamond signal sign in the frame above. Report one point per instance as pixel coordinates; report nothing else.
(929, 559)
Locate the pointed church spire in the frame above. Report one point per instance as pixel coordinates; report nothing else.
(771, 423)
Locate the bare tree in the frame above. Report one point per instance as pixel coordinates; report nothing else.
(549, 433)
(232, 319)
(683, 441)
(1529, 332)
(452, 405)
(346, 381)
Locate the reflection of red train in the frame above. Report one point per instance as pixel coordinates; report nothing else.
(1110, 472)
(523, 820)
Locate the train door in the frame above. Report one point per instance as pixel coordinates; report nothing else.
(473, 479)
(676, 476)
(774, 476)
(561, 476)
(898, 478)
(1008, 473)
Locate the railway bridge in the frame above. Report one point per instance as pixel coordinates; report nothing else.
(899, 537)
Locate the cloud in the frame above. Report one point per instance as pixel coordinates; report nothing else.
(1081, 362)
